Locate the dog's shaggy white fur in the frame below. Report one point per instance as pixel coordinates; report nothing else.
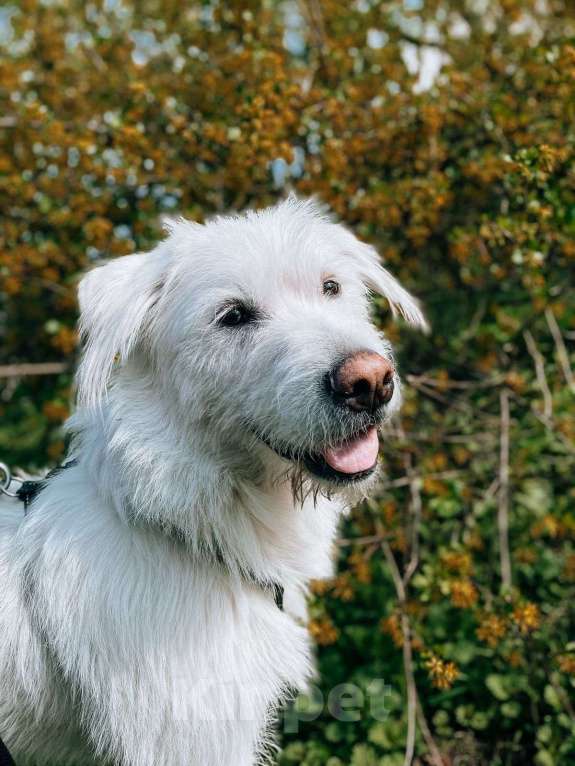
(136, 626)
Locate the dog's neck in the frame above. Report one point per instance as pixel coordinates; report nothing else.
(156, 472)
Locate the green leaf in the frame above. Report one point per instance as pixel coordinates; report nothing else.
(378, 735)
(551, 697)
(544, 733)
(392, 759)
(510, 709)
(363, 755)
(479, 720)
(544, 758)
(333, 732)
(497, 686)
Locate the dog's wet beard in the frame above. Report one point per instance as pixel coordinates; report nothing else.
(303, 485)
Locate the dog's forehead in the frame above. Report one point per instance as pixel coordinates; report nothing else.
(264, 253)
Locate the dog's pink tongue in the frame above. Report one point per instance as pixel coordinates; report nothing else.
(354, 456)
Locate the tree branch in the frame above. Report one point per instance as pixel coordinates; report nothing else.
(413, 40)
(539, 362)
(434, 751)
(407, 655)
(459, 384)
(562, 354)
(416, 508)
(503, 496)
(30, 370)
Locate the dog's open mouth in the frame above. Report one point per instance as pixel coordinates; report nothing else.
(349, 461)
(352, 460)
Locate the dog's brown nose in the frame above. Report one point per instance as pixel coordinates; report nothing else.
(363, 381)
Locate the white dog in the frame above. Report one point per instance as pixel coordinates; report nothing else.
(228, 400)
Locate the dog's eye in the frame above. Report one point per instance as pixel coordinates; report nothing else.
(331, 287)
(236, 315)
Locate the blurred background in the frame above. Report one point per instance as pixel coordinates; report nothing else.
(442, 131)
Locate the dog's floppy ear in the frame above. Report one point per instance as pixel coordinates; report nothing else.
(116, 311)
(379, 280)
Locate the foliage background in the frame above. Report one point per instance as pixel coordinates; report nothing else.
(443, 131)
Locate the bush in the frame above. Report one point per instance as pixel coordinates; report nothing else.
(115, 113)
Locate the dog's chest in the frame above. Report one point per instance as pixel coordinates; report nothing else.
(242, 666)
(156, 646)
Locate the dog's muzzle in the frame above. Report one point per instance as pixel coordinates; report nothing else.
(358, 387)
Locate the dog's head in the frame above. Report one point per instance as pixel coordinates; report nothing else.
(255, 329)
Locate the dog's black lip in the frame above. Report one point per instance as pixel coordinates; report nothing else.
(316, 464)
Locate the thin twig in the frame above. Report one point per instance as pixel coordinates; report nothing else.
(477, 317)
(416, 508)
(317, 15)
(491, 490)
(440, 436)
(434, 751)
(52, 286)
(366, 540)
(27, 370)
(566, 443)
(406, 481)
(407, 655)
(503, 496)
(312, 13)
(563, 698)
(539, 362)
(562, 354)
(458, 384)
(450, 403)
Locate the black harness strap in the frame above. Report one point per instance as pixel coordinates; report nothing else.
(5, 757)
(29, 490)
